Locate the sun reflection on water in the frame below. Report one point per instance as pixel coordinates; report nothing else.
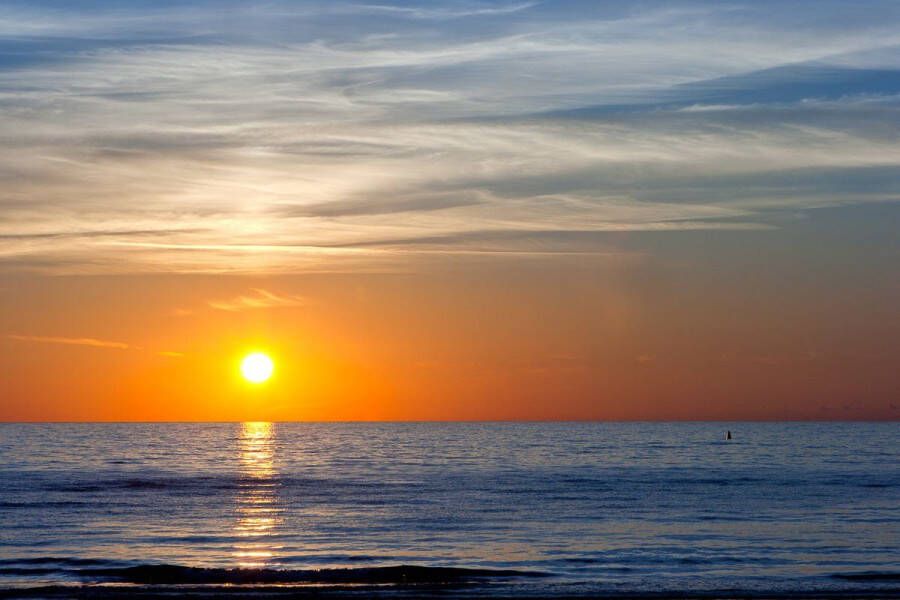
(256, 503)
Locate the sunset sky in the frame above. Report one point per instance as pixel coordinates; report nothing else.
(450, 210)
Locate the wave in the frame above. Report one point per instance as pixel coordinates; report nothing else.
(401, 574)
(153, 580)
(54, 560)
(204, 485)
(869, 576)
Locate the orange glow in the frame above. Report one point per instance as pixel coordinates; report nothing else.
(435, 348)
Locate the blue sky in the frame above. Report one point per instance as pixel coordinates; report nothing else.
(295, 136)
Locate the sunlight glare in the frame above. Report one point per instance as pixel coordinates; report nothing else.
(257, 367)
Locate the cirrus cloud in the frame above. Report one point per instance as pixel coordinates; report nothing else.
(70, 341)
(257, 299)
(166, 138)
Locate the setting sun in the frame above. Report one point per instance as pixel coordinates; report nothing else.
(257, 367)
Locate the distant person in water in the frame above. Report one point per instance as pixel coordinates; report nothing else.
(728, 435)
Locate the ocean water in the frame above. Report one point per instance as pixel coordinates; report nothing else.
(472, 509)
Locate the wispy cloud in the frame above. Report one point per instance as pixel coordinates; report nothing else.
(259, 298)
(71, 341)
(200, 145)
(461, 10)
(89, 342)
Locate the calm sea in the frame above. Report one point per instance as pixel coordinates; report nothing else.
(453, 509)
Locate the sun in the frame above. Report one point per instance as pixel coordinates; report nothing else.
(257, 367)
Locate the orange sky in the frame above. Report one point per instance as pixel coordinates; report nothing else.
(604, 339)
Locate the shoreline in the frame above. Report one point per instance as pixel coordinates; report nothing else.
(448, 591)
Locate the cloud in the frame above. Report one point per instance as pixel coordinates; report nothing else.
(320, 137)
(91, 234)
(258, 299)
(71, 341)
(90, 342)
(418, 203)
(463, 10)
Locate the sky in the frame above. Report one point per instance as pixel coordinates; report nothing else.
(457, 210)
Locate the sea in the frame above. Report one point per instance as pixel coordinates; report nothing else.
(586, 509)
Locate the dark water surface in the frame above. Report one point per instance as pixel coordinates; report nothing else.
(469, 508)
